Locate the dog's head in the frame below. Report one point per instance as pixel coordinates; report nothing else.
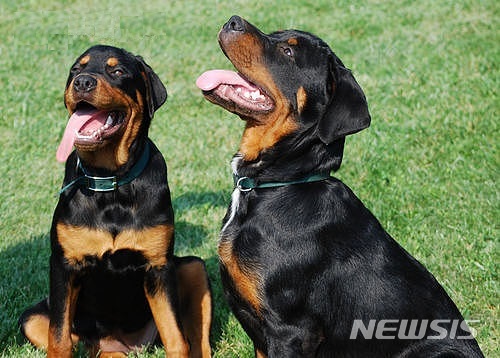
(111, 96)
(288, 82)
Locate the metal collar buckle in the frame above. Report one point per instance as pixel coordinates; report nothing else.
(245, 184)
(100, 184)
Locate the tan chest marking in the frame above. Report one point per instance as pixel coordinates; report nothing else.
(78, 242)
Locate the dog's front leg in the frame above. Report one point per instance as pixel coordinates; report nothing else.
(62, 302)
(161, 293)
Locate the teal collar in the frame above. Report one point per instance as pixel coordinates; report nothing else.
(103, 184)
(245, 184)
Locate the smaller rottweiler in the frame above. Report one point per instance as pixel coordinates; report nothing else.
(115, 284)
(306, 267)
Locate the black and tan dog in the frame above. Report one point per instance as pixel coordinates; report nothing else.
(307, 269)
(115, 283)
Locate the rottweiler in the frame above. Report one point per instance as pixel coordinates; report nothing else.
(115, 284)
(306, 267)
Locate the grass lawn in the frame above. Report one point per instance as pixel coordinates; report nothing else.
(427, 167)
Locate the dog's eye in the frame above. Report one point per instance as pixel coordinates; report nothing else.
(288, 51)
(117, 72)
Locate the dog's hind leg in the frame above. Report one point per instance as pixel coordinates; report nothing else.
(161, 292)
(34, 325)
(195, 302)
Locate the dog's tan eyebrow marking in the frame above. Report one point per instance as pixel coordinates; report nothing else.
(84, 60)
(292, 41)
(112, 61)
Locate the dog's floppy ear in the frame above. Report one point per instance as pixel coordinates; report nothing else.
(347, 112)
(156, 93)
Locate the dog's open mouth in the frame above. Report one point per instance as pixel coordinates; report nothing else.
(97, 125)
(230, 89)
(89, 127)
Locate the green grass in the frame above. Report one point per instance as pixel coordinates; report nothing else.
(427, 167)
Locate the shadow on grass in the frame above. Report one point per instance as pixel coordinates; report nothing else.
(188, 238)
(221, 311)
(195, 199)
(24, 277)
(191, 237)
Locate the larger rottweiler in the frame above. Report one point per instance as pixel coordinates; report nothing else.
(306, 268)
(115, 283)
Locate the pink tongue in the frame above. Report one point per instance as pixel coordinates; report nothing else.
(212, 79)
(90, 119)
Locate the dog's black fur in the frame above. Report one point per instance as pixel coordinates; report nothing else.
(114, 279)
(300, 263)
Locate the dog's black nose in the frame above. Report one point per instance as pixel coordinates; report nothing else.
(235, 23)
(84, 83)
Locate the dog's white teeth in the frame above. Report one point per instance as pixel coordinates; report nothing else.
(255, 95)
(250, 95)
(109, 121)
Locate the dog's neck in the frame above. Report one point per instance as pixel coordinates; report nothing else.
(105, 162)
(290, 159)
(111, 181)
